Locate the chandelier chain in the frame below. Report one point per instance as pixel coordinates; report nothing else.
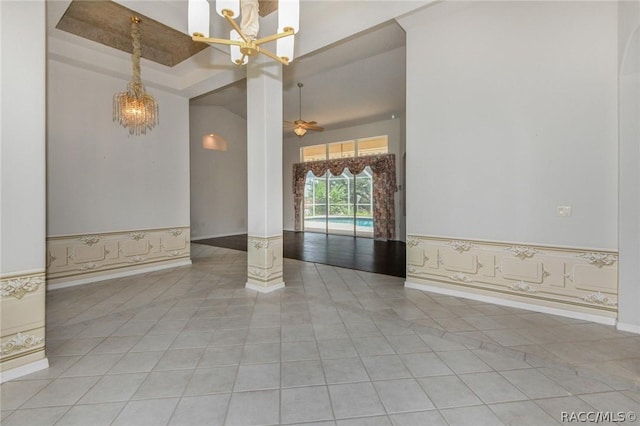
(137, 50)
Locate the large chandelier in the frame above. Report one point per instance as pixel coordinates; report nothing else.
(243, 38)
(135, 109)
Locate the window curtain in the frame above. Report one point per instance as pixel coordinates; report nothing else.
(384, 187)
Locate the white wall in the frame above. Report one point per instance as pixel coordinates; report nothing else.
(629, 273)
(22, 187)
(22, 123)
(218, 179)
(324, 22)
(291, 155)
(512, 111)
(100, 179)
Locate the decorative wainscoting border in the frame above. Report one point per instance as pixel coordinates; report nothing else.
(575, 280)
(22, 323)
(264, 268)
(79, 259)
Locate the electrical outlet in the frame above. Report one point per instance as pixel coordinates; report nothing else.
(564, 211)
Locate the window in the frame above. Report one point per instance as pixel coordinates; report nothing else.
(355, 148)
(314, 153)
(342, 149)
(341, 204)
(373, 146)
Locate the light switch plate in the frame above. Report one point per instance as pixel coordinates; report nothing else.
(564, 211)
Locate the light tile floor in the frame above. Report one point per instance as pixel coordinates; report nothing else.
(192, 346)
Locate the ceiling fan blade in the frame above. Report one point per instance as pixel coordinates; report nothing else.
(290, 124)
(316, 128)
(312, 123)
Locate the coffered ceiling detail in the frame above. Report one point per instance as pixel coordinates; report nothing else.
(109, 23)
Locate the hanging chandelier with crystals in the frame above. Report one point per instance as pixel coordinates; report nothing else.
(135, 109)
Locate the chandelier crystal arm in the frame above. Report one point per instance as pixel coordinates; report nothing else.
(234, 24)
(217, 40)
(287, 32)
(283, 61)
(266, 52)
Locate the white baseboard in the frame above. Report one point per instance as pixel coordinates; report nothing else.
(23, 370)
(512, 304)
(195, 238)
(631, 328)
(261, 289)
(86, 280)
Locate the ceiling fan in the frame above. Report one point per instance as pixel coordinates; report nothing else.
(300, 126)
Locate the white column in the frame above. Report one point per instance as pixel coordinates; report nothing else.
(22, 188)
(264, 174)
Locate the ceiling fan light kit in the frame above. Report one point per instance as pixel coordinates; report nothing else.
(243, 38)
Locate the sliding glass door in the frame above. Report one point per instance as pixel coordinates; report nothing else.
(339, 204)
(364, 203)
(315, 203)
(340, 219)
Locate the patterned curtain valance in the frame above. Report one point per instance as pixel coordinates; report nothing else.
(384, 187)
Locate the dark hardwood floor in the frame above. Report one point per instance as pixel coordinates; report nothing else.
(363, 254)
